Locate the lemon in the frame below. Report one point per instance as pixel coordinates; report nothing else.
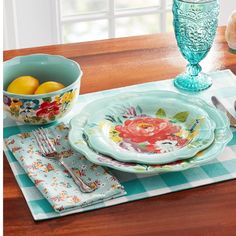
(23, 85)
(48, 87)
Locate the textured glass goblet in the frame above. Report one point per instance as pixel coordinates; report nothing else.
(195, 24)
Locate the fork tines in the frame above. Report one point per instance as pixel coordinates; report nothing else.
(43, 141)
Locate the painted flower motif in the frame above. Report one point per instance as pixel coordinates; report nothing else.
(60, 197)
(79, 172)
(56, 141)
(62, 127)
(10, 141)
(48, 109)
(16, 149)
(97, 182)
(38, 181)
(59, 208)
(169, 145)
(30, 149)
(67, 97)
(75, 199)
(37, 165)
(27, 113)
(129, 112)
(114, 186)
(49, 167)
(114, 135)
(66, 153)
(147, 129)
(65, 184)
(6, 100)
(45, 190)
(94, 167)
(24, 135)
(130, 147)
(30, 104)
(57, 99)
(15, 104)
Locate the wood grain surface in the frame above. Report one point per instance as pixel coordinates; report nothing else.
(208, 210)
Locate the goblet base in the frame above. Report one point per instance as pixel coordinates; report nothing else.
(193, 83)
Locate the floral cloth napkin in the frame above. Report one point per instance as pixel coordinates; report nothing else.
(53, 181)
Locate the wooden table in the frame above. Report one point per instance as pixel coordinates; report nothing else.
(208, 210)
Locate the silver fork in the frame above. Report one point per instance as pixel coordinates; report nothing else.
(48, 150)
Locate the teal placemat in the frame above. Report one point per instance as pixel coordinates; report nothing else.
(141, 186)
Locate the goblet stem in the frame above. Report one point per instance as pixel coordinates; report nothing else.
(194, 69)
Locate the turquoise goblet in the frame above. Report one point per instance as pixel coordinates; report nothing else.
(195, 24)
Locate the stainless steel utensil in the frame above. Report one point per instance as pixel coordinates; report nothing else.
(48, 150)
(221, 107)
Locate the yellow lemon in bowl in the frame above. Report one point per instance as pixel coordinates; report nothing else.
(23, 85)
(48, 87)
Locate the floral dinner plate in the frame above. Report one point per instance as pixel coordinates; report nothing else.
(151, 129)
(78, 141)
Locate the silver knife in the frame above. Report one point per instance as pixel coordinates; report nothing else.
(221, 107)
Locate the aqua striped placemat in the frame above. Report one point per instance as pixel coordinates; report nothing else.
(138, 186)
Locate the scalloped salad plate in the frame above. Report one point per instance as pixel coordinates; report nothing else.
(150, 129)
(78, 140)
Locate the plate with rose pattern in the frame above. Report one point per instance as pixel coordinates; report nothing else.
(150, 129)
(78, 140)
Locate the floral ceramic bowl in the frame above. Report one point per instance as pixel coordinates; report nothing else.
(42, 108)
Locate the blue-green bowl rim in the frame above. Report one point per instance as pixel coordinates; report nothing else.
(21, 96)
